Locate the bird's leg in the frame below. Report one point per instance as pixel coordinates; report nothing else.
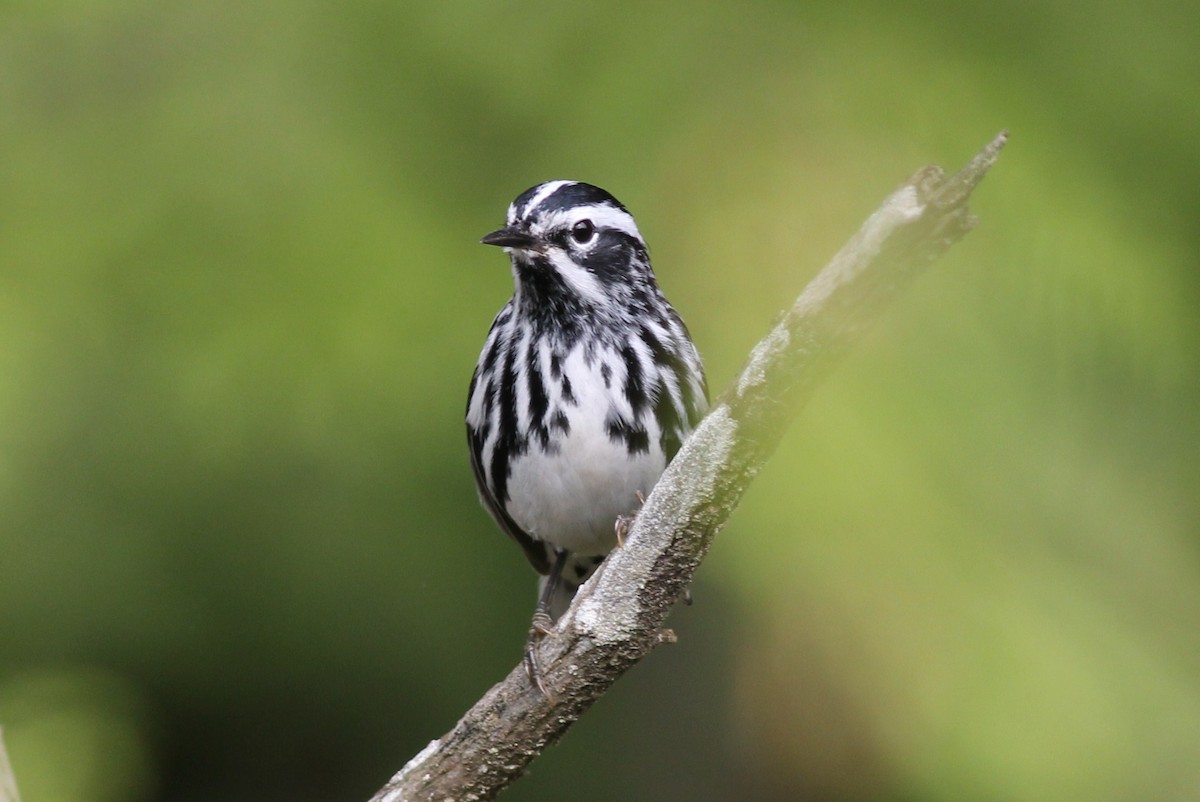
(541, 624)
(625, 522)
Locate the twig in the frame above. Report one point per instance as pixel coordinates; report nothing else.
(8, 780)
(615, 620)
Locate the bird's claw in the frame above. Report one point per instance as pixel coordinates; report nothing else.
(625, 522)
(538, 630)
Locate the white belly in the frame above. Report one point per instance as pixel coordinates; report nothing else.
(571, 497)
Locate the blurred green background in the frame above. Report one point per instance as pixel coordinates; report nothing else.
(241, 296)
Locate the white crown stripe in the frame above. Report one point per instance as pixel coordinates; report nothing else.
(546, 190)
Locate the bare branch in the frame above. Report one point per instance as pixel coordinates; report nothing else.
(615, 620)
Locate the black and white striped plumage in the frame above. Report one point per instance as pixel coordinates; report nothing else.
(587, 384)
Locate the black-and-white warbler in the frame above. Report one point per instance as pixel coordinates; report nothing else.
(587, 385)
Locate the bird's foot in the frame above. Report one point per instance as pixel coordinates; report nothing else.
(539, 628)
(625, 522)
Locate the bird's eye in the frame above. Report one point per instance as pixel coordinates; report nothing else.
(583, 231)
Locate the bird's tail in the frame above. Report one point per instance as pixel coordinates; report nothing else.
(576, 571)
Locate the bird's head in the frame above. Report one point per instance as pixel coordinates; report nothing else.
(573, 243)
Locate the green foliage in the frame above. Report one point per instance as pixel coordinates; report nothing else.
(240, 299)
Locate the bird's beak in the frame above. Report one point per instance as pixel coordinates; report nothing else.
(510, 237)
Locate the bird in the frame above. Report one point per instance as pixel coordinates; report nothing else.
(587, 385)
